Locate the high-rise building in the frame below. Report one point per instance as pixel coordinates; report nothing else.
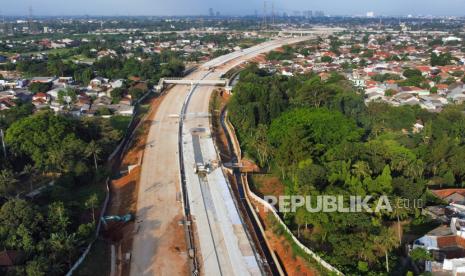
(319, 14)
(370, 14)
(211, 12)
(308, 14)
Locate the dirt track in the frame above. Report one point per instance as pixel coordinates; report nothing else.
(124, 193)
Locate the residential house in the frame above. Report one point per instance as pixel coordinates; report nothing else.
(9, 258)
(453, 195)
(40, 99)
(447, 245)
(97, 82)
(42, 79)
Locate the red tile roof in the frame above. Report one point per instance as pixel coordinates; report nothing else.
(8, 257)
(447, 192)
(40, 95)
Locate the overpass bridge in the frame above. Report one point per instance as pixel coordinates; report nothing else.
(191, 82)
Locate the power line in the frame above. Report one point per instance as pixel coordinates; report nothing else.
(272, 13)
(264, 14)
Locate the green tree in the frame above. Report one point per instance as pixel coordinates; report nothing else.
(91, 203)
(117, 94)
(420, 254)
(37, 267)
(381, 184)
(326, 59)
(29, 170)
(56, 67)
(36, 87)
(7, 181)
(94, 150)
(67, 96)
(85, 76)
(260, 143)
(399, 212)
(63, 246)
(20, 222)
(440, 60)
(49, 140)
(136, 93)
(58, 219)
(361, 169)
(385, 242)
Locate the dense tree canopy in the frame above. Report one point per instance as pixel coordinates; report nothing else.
(319, 137)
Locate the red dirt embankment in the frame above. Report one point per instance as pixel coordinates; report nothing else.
(125, 188)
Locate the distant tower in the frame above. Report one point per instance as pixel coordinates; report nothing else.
(4, 29)
(272, 13)
(264, 15)
(210, 12)
(29, 21)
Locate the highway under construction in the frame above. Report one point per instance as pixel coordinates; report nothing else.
(218, 239)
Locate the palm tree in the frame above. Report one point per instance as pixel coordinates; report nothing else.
(385, 242)
(398, 212)
(260, 143)
(56, 161)
(361, 169)
(93, 149)
(63, 245)
(415, 169)
(300, 219)
(29, 170)
(90, 203)
(7, 180)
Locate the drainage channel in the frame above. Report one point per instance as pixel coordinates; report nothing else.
(185, 197)
(240, 187)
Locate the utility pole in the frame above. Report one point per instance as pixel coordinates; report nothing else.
(30, 19)
(272, 13)
(264, 14)
(3, 30)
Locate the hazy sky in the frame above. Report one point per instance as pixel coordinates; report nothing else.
(231, 7)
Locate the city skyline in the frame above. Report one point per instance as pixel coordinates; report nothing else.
(240, 7)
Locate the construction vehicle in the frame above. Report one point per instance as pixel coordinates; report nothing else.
(124, 219)
(201, 168)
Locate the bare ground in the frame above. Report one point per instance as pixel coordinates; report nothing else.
(123, 200)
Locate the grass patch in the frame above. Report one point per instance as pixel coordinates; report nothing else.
(421, 226)
(142, 110)
(97, 261)
(120, 122)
